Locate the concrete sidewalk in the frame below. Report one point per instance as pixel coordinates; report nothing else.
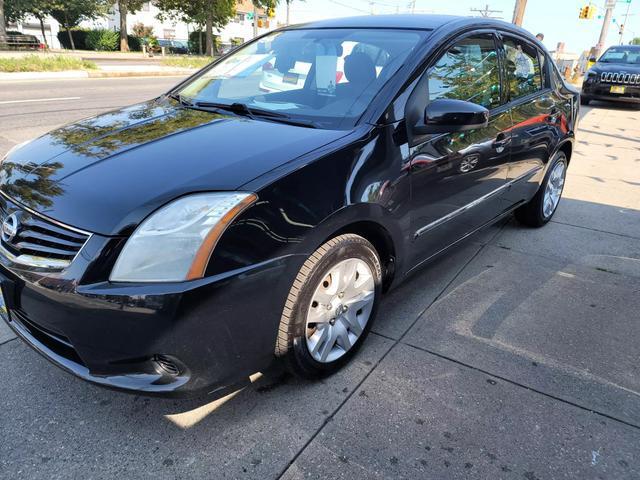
(515, 356)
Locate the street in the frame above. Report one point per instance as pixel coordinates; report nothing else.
(515, 355)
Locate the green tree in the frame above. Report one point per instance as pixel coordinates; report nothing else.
(635, 41)
(124, 8)
(210, 13)
(69, 13)
(17, 9)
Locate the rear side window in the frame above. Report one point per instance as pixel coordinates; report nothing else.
(524, 75)
(468, 71)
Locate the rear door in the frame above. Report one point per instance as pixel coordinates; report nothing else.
(535, 113)
(457, 179)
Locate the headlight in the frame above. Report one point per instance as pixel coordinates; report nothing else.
(175, 243)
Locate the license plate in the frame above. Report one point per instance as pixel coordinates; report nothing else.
(617, 90)
(4, 312)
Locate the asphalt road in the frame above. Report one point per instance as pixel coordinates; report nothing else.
(28, 109)
(513, 357)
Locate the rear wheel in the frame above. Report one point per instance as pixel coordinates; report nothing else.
(541, 208)
(330, 307)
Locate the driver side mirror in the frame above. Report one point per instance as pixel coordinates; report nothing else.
(593, 59)
(451, 116)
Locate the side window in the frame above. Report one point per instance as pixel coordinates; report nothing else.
(468, 71)
(524, 75)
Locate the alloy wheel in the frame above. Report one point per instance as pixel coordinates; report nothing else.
(553, 190)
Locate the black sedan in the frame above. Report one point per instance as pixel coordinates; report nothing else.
(177, 246)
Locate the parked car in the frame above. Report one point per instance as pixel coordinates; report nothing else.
(177, 246)
(174, 46)
(615, 77)
(20, 41)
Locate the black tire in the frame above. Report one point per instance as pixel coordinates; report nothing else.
(532, 214)
(291, 343)
(584, 100)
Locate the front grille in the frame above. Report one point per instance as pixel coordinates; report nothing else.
(620, 78)
(36, 240)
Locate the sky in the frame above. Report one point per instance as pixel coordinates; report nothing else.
(557, 19)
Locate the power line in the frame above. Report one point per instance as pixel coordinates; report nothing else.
(486, 12)
(350, 6)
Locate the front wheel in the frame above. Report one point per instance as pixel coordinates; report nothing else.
(541, 208)
(331, 306)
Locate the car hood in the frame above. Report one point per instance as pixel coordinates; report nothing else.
(616, 67)
(107, 173)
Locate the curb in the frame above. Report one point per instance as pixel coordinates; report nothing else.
(77, 74)
(151, 73)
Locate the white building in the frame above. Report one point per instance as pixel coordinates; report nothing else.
(239, 28)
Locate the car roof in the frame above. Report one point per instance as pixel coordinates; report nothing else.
(401, 21)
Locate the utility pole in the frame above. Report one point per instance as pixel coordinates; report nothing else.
(610, 5)
(626, 19)
(518, 12)
(289, 11)
(413, 6)
(486, 12)
(3, 29)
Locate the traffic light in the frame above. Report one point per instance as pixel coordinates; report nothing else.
(587, 12)
(271, 12)
(621, 29)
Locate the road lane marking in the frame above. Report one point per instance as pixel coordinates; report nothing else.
(33, 100)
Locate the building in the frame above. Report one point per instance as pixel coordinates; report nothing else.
(238, 30)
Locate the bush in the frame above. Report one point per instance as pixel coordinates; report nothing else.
(45, 63)
(79, 38)
(135, 43)
(194, 43)
(102, 40)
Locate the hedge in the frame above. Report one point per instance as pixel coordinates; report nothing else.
(80, 40)
(102, 40)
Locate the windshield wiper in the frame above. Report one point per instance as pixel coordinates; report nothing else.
(181, 99)
(252, 112)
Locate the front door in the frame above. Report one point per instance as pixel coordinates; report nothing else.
(536, 115)
(457, 179)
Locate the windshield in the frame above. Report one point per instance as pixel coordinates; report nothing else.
(622, 55)
(324, 76)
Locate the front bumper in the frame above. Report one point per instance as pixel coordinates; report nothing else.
(180, 339)
(596, 90)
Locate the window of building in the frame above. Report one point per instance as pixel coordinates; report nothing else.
(468, 71)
